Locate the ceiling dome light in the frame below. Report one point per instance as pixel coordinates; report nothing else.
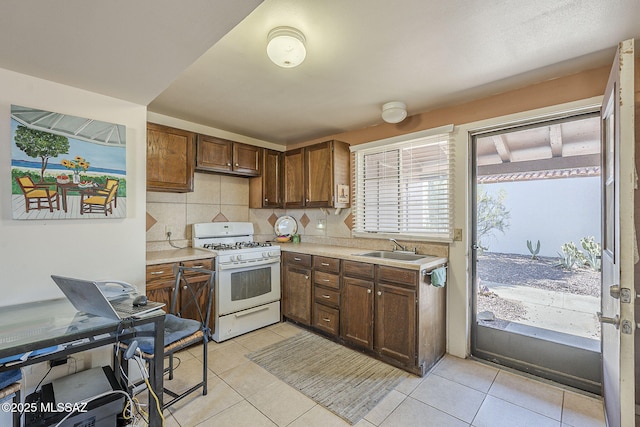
(394, 112)
(285, 47)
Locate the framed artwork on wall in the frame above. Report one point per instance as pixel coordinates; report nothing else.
(66, 167)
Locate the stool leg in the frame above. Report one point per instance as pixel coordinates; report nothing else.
(16, 414)
(204, 367)
(171, 366)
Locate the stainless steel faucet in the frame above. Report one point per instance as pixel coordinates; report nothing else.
(402, 248)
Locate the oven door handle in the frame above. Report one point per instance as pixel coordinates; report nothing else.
(246, 264)
(251, 311)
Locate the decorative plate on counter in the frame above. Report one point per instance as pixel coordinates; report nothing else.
(285, 226)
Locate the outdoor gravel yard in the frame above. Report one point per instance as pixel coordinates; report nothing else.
(524, 272)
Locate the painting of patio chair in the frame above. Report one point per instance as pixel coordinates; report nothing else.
(104, 191)
(93, 202)
(42, 195)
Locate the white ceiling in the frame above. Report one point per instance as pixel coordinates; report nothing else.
(191, 61)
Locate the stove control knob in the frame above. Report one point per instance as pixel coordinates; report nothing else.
(232, 258)
(238, 257)
(265, 254)
(273, 254)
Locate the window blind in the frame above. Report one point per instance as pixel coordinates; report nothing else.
(405, 189)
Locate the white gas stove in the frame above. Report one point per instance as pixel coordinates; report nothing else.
(247, 292)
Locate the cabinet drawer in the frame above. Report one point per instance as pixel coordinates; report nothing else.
(327, 296)
(358, 269)
(159, 272)
(206, 264)
(326, 319)
(326, 279)
(397, 275)
(330, 265)
(303, 260)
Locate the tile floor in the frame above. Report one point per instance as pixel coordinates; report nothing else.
(456, 392)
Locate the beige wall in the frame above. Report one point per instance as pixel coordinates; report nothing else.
(98, 248)
(582, 85)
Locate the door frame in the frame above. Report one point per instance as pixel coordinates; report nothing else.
(618, 348)
(576, 366)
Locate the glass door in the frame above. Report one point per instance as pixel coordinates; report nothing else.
(536, 254)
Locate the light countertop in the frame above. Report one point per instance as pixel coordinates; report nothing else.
(342, 252)
(177, 255)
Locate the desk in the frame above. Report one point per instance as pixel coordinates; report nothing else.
(42, 324)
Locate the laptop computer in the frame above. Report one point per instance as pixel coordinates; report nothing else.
(85, 296)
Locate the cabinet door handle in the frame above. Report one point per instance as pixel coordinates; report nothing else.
(326, 296)
(368, 291)
(306, 277)
(326, 320)
(197, 266)
(326, 280)
(185, 287)
(324, 264)
(306, 200)
(379, 293)
(228, 164)
(266, 200)
(237, 165)
(155, 273)
(297, 259)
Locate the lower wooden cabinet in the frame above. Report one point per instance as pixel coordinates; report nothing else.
(198, 285)
(326, 295)
(391, 313)
(379, 310)
(357, 312)
(326, 319)
(161, 282)
(396, 306)
(297, 287)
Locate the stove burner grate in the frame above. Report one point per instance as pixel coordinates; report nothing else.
(235, 246)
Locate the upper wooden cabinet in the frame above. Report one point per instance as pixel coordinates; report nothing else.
(293, 164)
(266, 191)
(170, 159)
(221, 155)
(315, 176)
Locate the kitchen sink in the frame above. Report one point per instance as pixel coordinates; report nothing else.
(394, 255)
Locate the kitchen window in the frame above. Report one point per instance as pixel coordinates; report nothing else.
(403, 186)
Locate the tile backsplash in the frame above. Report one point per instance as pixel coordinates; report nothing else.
(220, 198)
(215, 198)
